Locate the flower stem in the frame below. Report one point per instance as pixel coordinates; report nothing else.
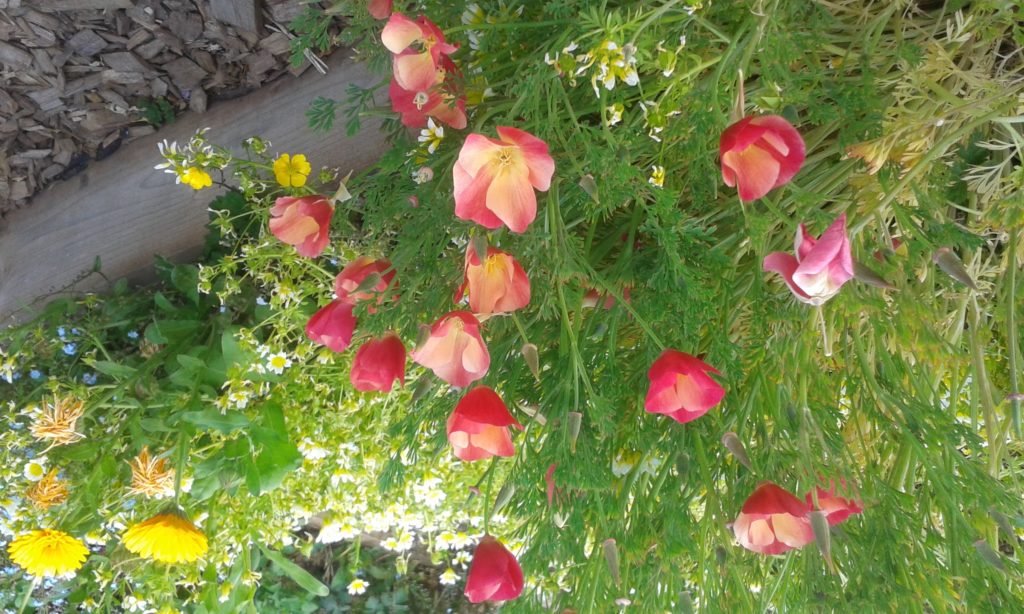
(825, 341)
(28, 594)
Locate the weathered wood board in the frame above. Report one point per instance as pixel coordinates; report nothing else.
(123, 211)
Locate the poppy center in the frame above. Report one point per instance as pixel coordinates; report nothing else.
(420, 100)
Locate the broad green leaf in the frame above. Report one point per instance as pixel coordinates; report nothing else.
(301, 577)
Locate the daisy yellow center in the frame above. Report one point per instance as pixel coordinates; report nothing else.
(277, 362)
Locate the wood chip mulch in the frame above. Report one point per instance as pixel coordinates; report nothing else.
(77, 75)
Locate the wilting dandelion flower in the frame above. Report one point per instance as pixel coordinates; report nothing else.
(56, 422)
(48, 491)
(47, 553)
(151, 476)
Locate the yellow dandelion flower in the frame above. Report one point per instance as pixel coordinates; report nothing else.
(47, 552)
(57, 421)
(48, 491)
(151, 476)
(168, 538)
(291, 171)
(195, 178)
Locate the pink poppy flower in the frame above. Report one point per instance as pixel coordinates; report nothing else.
(773, 521)
(478, 428)
(414, 69)
(379, 9)
(303, 222)
(820, 267)
(496, 285)
(455, 351)
(494, 574)
(681, 387)
(417, 106)
(332, 325)
(760, 153)
(348, 281)
(835, 507)
(495, 178)
(378, 363)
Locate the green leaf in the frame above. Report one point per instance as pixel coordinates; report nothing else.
(190, 362)
(301, 577)
(213, 419)
(277, 458)
(113, 369)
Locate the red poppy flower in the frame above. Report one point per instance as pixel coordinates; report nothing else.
(348, 281)
(478, 428)
(455, 351)
(773, 521)
(303, 222)
(496, 285)
(760, 154)
(494, 574)
(821, 266)
(495, 178)
(836, 507)
(333, 325)
(681, 387)
(378, 363)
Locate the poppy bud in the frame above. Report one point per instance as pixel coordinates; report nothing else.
(494, 574)
(478, 428)
(378, 363)
(303, 222)
(821, 266)
(773, 521)
(332, 326)
(454, 349)
(760, 154)
(681, 388)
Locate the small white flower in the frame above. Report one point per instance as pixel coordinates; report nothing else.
(277, 363)
(432, 135)
(657, 178)
(311, 451)
(35, 469)
(449, 577)
(357, 587)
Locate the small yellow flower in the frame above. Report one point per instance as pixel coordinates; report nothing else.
(47, 552)
(291, 171)
(168, 538)
(57, 421)
(195, 178)
(657, 178)
(151, 476)
(48, 491)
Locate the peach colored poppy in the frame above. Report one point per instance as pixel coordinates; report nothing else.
(494, 574)
(821, 266)
(759, 154)
(332, 326)
(496, 285)
(773, 521)
(681, 387)
(303, 222)
(455, 351)
(478, 428)
(418, 47)
(495, 178)
(416, 106)
(378, 363)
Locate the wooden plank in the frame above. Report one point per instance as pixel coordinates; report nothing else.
(244, 14)
(123, 211)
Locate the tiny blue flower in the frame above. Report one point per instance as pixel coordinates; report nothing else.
(61, 332)
(133, 334)
(223, 308)
(70, 349)
(260, 300)
(16, 376)
(35, 374)
(74, 331)
(89, 379)
(334, 261)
